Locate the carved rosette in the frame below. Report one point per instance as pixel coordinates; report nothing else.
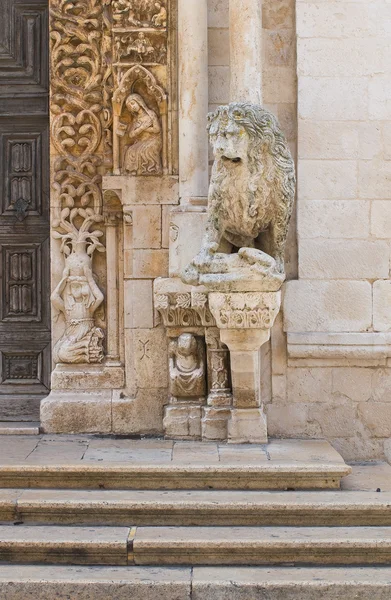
(253, 310)
(184, 309)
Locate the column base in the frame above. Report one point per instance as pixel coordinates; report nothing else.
(247, 426)
(215, 424)
(182, 421)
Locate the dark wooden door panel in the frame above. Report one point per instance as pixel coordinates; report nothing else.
(24, 209)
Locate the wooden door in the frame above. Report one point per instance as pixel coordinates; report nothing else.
(24, 209)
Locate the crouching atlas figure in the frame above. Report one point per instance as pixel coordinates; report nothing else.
(251, 199)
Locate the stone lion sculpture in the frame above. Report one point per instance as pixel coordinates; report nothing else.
(251, 199)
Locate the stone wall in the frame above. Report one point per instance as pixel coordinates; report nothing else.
(338, 312)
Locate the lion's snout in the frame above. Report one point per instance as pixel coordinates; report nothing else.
(234, 159)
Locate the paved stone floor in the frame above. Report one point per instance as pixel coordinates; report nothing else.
(71, 449)
(60, 449)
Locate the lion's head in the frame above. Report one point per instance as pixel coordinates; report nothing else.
(248, 135)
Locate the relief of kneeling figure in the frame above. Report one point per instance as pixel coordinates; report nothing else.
(143, 155)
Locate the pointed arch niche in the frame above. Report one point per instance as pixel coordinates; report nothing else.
(138, 80)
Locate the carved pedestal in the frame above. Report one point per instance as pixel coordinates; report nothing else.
(185, 314)
(245, 320)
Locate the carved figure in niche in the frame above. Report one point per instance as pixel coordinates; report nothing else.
(187, 367)
(143, 155)
(250, 201)
(160, 19)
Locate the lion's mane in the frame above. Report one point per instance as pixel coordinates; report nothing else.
(270, 183)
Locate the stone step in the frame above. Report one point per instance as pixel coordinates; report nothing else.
(180, 546)
(278, 475)
(199, 507)
(202, 583)
(65, 545)
(19, 428)
(262, 545)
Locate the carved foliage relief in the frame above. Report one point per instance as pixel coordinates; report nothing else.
(79, 118)
(111, 104)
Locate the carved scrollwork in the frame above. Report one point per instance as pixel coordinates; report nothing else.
(79, 76)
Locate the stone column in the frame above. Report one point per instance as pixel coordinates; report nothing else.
(112, 264)
(193, 100)
(245, 29)
(245, 320)
(216, 414)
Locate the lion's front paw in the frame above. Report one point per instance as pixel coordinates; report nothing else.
(257, 257)
(190, 275)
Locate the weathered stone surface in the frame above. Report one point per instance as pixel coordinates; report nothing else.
(139, 305)
(74, 412)
(381, 218)
(148, 264)
(377, 417)
(142, 413)
(335, 306)
(182, 421)
(295, 583)
(336, 219)
(65, 545)
(94, 583)
(147, 228)
(247, 426)
(86, 462)
(324, 99)
(327, 180)
(343, 259)
(381, 305)
(150, 356)
(218, 47)
(261, 546)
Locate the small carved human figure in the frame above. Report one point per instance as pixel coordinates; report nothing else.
(160, 19)
(142, 46)
(121, 9)
(187, 368)
(143, 154)
(78, 297)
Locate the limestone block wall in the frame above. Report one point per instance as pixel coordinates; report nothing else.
(338, 312)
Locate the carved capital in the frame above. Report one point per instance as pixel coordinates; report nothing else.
(112, 218)
(253, 310)
(184, 309)
(128, 216)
